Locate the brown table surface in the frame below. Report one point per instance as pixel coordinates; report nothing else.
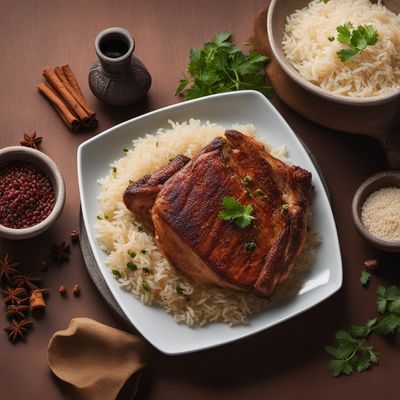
(285, 362)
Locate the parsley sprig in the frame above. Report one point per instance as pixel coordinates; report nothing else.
(351, 351)
(221, 67)
(235, 211)
(357, 40)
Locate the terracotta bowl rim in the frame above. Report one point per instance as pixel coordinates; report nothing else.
(375, 182)
(295, 75)
(48, 166)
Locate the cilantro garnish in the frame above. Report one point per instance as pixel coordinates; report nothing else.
(357, 40)
(351, 352)
(179, 289)
(248, 246)
(365, 275)
(146, 286)
(234, 211)
(116, 273)
(131, 266)
(221, 67)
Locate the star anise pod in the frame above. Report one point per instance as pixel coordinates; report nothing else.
(31, 140)
(7, 269)
(14, 296)
(17, 311)
(18, 329)
(29, 282)
(60, 252)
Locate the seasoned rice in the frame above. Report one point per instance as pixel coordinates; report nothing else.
(155, 281)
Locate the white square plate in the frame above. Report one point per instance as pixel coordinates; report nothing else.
(158, 327)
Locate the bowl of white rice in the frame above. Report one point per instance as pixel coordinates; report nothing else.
(361, 95)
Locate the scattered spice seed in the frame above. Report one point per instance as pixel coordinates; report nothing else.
(18, 329)
(146, 286)
(62, 290)
(116, 273)
(331, 38)
(8, 269)
(285, 207)
(74, 236)
(250, 246)
(146, 270)
(60, 252)
(76, 291)
(114, 169)
(140, 229)
(31, 140)
(143, 251)
(259, 192)
(99, 218)
(125, 150)
(371, 264)
(132, 254)
(132, 266)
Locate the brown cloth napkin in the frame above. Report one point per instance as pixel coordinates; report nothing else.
(96, 359)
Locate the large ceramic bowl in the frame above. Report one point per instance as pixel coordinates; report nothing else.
(47, 165)
(374, 116)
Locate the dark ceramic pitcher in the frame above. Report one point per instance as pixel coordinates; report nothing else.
(118, 78)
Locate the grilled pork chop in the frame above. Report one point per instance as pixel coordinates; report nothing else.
(208, 249)
(139, 197)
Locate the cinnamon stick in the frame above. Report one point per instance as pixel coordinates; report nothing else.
(70, 119)
(73, 87)
(62, 91)
(66, 69)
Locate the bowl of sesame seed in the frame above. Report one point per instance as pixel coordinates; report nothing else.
(32, 192)
(376, 210)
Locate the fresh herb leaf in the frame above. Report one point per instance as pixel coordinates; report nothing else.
(247, 180)
(146, 270)
(143, 251)
(344, 33)
(146, 286)
(250, 246)
(179, 289)
(365, 276)
(116, 273)
(132, 254)
(237, 212)
(357, 40)
(131, 266)
(388, 323)
(219, 66)
(351, 352)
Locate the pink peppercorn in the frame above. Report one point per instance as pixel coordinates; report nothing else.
(26, 195)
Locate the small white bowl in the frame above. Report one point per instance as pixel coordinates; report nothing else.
(48, 166)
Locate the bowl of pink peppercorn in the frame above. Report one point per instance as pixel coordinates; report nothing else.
(32, 192)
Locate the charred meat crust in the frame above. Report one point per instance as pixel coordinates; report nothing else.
(139, 196)
(190, 202)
